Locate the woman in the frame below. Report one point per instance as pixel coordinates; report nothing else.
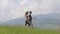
(27, 19)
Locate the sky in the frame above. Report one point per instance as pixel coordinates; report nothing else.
(11, 9)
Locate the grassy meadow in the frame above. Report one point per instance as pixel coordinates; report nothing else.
(25, 30)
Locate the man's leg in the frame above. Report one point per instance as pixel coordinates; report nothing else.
(31, 24)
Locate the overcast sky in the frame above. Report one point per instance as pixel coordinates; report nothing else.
(10, 9)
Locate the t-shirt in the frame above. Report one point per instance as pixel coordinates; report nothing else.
(30, 18)
(26, 17)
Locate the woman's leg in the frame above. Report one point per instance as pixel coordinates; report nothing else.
(25, 23)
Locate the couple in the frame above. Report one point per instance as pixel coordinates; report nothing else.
(28, 19)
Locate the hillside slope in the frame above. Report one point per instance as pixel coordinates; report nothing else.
(24, 30)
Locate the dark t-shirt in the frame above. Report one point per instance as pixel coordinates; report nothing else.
(30, 18)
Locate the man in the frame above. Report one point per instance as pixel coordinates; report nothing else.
(30, 19)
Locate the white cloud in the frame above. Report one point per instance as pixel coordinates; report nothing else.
(15, 8)
(23, 2)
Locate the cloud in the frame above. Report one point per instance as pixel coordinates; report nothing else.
(44, 7)
(10, 9)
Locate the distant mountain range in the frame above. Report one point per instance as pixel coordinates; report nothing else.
(43, 21)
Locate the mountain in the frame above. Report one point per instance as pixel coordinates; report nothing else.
(17, 21)
(48, 21)
(51, 21)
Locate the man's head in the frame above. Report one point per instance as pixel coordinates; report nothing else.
(30, 12)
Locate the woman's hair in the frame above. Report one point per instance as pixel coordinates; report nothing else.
(26, 13)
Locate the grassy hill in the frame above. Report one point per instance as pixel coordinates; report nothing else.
(25, 30)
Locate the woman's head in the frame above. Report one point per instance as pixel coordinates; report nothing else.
(26, 12)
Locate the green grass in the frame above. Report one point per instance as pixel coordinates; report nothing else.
(24, 30)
